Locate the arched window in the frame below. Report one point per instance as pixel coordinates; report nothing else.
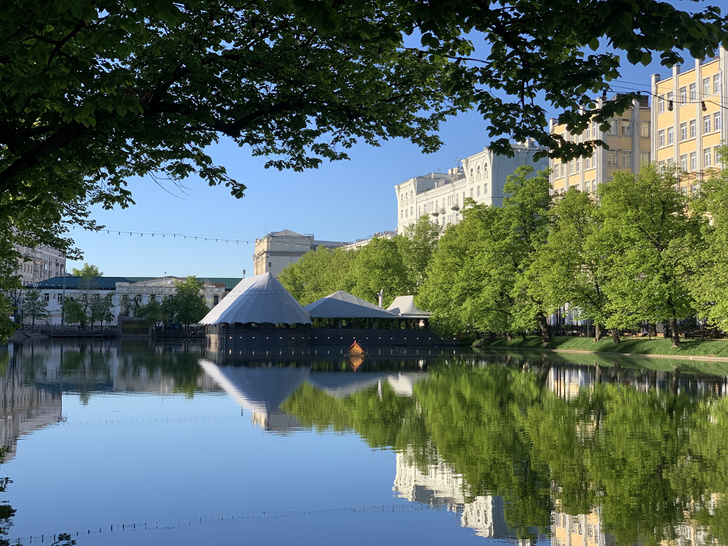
(477, 175)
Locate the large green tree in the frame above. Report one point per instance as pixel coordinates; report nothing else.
(570, 266)
(653, 234)
(34, 306)
(186, 305)
(709, 284)
(526, 220)
(318, 273)
(469, 280)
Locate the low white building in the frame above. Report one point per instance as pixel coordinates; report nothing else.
(127, 293)
(481, 177)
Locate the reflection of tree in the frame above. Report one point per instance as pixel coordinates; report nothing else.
(646, 461)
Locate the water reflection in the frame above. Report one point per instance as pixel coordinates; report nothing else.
(517, 447)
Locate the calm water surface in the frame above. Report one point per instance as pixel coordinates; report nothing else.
(138, 444)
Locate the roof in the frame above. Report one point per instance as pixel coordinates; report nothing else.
(344, 305)
(71, 282)
(109, 283)
(404, 306)
(259, 299)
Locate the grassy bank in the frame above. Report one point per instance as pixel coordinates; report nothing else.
(639, 346)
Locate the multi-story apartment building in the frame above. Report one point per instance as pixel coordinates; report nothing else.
(481, 177)
(40, 263)
(628, 141)
(689, 120)
(280, 248)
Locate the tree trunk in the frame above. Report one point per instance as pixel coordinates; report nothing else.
(598, 372)
(675, 334)
(546, 336)
(615, 336)
(524, 337)
(597, 332)
(666, 333)
(653, 330)
(509, 336)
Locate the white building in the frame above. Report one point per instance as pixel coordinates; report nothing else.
(126, 293)
(481, 177)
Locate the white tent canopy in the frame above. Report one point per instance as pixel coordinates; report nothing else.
(260, 299)
(343, 305)
(404, 306)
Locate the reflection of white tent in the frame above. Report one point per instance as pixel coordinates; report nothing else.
(343, 384)
(343, 305)
(404, 306)
(260, 299)
(259, 390)
(403, 383)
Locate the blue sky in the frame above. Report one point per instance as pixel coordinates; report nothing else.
(341, 201)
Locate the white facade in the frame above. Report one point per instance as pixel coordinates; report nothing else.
(125, 295)
(481, 177)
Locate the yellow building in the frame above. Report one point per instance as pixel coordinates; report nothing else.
(689, 120)
(628, 141)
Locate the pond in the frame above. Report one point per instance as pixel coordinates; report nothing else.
(142, 444)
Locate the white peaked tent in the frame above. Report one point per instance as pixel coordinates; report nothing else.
(404, 306)
(260, 299)
(343, 305)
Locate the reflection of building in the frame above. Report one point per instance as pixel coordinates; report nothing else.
(24, 409)
(280, 248)
(440, 486)
(481, 177)
(689, 121)
(628, 139)
(581, 530)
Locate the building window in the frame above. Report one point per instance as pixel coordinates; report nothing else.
(645, 129)
(577, 164)
(717, 156)
(644, 157)
(669, 98)
(716, 121)
(412, 211)
(716, 84)
(670, 136)
(46, 297)
(683, 94)
(684, 131)
(626, 159)
(706, 124)
(684, 162)
(625, 127)
(613, 127)
(661, 104)
(707, 156)
(693, 161)
(706, 87)
(691, 89)
(477, 191)
(612, 158)
(693, 126)
(59, 298)
(485, 189)
(661, 138)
